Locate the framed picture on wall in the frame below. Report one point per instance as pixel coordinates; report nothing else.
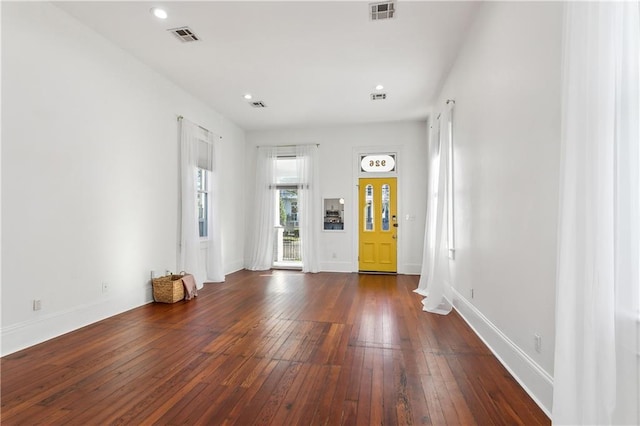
(333, 214)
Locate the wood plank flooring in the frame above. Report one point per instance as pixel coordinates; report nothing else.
(270, 348)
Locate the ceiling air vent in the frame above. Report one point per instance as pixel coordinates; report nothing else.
(257, 104)
(378, 96)
(384, 10)
(184, 34)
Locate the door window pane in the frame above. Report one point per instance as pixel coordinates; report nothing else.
(368, 208)
(385, 207)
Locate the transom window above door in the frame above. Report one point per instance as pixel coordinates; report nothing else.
(378, 163)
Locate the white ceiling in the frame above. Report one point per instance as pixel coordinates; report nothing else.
(312, 63)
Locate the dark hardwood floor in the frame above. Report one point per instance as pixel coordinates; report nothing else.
(270, 348)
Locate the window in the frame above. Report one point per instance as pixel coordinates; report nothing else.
(378, 163)
(202, 186)
(368, 208)
(385, 207)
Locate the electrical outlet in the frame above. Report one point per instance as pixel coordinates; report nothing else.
(105, 287)
(37, 305)
(537, 342)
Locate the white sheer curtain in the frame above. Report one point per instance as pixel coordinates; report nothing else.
(310, 209)
(213, 254)
(597, 291)
(197, 150)
(435, 278)
(261, 256)
(429, 251)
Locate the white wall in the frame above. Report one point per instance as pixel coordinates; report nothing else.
(89, 175)
(506, 85)
(338, 175)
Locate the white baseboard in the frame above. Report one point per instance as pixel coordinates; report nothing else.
(533, 378)
(16, 337)
(336, 267)
(406, 269)
(411, 269)
(234, 267)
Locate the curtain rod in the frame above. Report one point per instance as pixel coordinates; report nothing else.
(288, 146)
(180, 118)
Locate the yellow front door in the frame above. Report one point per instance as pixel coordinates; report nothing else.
(378, 225)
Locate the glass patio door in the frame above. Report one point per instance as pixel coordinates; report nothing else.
(287, 252)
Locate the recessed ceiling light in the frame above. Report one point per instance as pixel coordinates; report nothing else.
(379, 87)
(248, 96)
(159, 13)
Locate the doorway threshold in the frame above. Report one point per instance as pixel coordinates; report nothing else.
(288, 265)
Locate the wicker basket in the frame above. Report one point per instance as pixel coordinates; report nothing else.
(168, 289)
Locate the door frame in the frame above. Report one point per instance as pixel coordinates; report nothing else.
(357, 174)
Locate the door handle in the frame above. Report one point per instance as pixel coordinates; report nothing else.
(394, 236)
(395, 225)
